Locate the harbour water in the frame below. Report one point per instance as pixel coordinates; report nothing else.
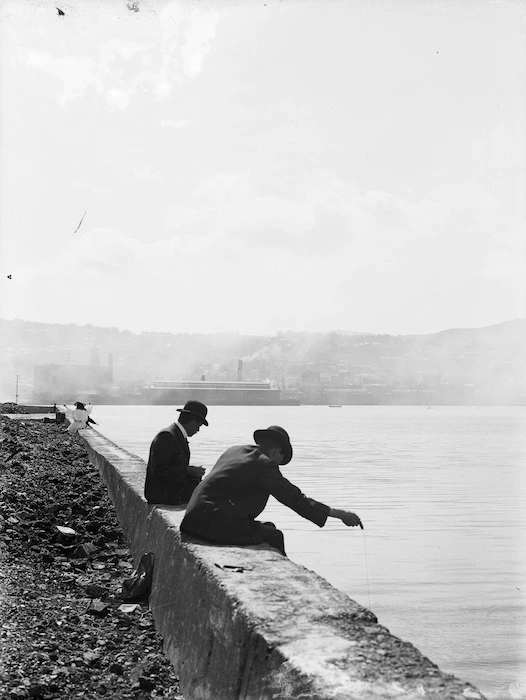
(442, 494)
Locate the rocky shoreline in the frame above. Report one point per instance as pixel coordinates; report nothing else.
(65, 631)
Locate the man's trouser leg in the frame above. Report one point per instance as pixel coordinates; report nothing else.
(273, 536)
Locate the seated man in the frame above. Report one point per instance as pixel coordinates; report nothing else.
(169, 477)
(224, 506)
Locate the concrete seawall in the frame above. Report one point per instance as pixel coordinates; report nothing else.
(249, 624)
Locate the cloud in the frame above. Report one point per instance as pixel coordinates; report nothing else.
(185, 40)
(144, 172)
(171, 48)
(102, 266)
(76, 73)
(112, 250)
(117, 98)
(198, 37)
(174, 123)
(327, 233)
(321, 215)
(336, 244)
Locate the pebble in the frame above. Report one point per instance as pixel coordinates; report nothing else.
(118, 669)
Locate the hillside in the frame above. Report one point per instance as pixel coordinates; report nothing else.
(492, 358)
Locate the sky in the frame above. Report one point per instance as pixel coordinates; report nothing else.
(265, 166)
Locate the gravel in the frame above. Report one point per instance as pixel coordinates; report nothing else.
(65, 631)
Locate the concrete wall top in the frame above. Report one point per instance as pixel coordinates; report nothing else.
(247, 623)
(28, 416)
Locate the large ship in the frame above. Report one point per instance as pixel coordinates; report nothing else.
(240, 393)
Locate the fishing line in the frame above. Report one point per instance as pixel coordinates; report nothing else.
(366, 569)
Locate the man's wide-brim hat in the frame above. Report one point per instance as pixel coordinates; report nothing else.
(196, 409)
(281, 436)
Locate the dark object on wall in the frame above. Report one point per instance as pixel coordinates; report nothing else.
(139, 585)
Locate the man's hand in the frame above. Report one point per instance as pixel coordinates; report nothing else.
(195, 471)
(351, 519)
(348, 518)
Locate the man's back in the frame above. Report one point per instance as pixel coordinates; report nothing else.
(237, 477)
(166, 471)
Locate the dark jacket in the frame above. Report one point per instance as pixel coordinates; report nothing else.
(224, 506)
(166, 478)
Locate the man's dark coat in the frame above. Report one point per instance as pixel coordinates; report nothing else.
(166, 478)
(224, 506)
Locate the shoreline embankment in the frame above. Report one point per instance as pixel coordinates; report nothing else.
(246, 623)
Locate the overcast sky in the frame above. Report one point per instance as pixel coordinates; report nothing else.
(263, 166)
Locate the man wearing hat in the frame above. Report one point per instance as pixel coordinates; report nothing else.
(169, 477)
(224, 507)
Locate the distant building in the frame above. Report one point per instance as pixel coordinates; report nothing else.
(311, 378)
(67, 382)
(337, 380)
(344, 396)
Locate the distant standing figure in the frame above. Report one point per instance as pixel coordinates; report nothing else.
(224, 507)
(170, 479)
(79, 417)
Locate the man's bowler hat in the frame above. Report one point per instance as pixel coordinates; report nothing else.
(197, 409)
(280, 435)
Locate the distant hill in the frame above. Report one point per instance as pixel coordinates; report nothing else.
(492, 357)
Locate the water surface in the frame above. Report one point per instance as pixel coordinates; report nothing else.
(442, 494)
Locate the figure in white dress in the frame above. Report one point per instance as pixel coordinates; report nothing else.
(79, 417)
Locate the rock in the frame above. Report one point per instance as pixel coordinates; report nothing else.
(146, 683)
(98, 608)
(85, 549)
(96, 591)
(117, 668)
(124, 618)
(128, 607)
(18, 693)
(91, 657)
(67, 532)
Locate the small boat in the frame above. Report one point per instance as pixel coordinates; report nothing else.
(335, 405)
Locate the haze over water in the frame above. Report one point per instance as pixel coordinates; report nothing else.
(442, 494)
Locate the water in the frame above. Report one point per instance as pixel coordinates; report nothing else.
(442, 494)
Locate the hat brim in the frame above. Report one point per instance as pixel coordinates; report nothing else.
(284, 443)
(196, 415)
